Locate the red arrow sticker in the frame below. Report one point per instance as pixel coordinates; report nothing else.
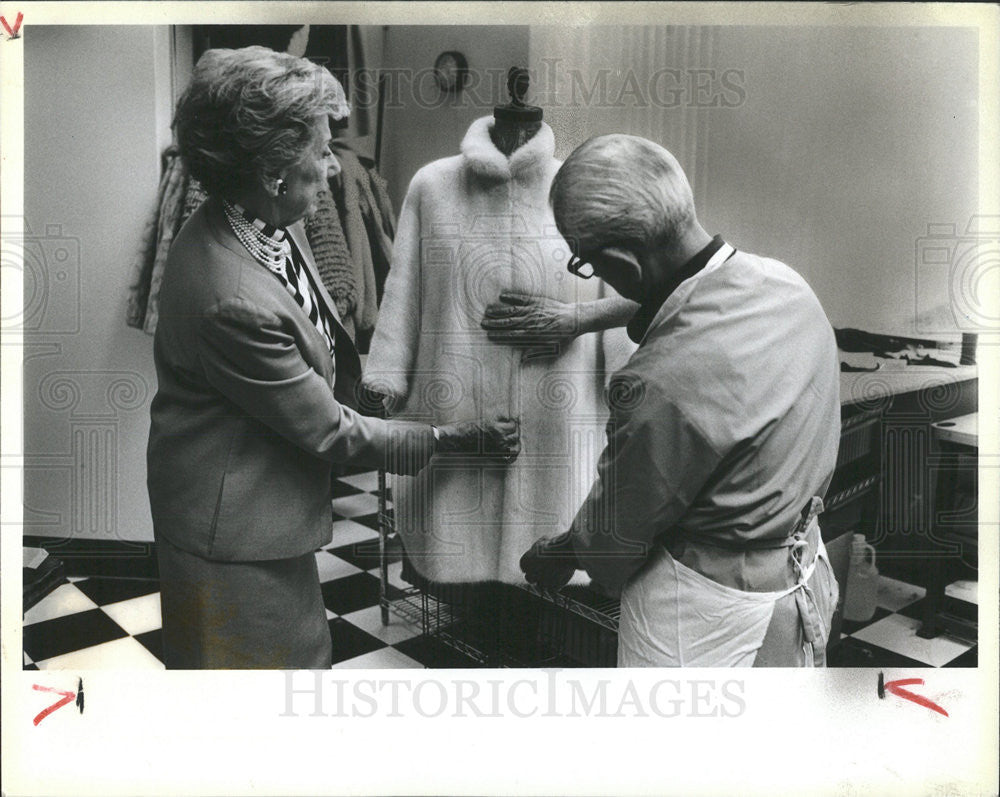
(12, 32)
(67, 697)
(896, 688)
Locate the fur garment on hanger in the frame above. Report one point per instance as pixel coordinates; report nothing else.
(471, 226)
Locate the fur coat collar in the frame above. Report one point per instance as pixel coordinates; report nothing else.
(484, 159)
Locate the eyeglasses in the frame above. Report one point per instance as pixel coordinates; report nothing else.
(579, 268)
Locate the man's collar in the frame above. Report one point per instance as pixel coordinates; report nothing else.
(650, 306)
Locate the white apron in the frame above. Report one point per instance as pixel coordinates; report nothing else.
(673, 616)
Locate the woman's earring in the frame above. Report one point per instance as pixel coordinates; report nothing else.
(282, 187)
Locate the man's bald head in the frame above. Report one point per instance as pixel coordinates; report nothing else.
(623, 191)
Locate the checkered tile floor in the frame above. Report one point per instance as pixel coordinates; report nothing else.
(115, 623)
(889, 638)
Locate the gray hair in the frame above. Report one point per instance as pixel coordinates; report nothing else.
(251, 113)
(621, 191)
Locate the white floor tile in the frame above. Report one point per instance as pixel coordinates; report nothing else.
(65, 599)
(363, 481)
(967, 591)
(136, 615)
(33, 557)
(74, 579)
(355, 505)
(395, 575)
(370, 620)
(898, 633)
(330, 615)
(895, 595)
(347, 532)
(121, 654)
(27, 659)
(382, 659)
(332, 567)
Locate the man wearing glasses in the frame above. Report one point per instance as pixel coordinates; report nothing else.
(723, 431)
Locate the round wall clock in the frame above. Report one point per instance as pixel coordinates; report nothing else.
(451, 71)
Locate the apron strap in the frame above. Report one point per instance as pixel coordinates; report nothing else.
(805, 519)
(814, 637)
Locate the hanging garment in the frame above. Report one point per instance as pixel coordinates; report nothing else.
(189, 198)
(379, 241)
(347, 193)
(194, 196)
(471, 226)
(333, 258)
(179, 196)
(163, 223)
(673, 616)
(380, 190)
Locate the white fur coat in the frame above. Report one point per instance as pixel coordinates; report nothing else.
(471, 226)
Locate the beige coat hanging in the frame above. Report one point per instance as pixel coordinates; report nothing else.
(472, 225)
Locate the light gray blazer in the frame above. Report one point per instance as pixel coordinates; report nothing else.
(251, 412)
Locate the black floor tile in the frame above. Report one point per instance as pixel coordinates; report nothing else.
(968, 659)
(365, 555)
(946, 604)
(915, 610)
(350, 641)
(351, 593)
(152, 641)
(370, 520)
(352, 470)
(72, 632)
(30, 666)
(343, 489)
(434, 653)
(855, 653)
(851, 626)
(103, 591)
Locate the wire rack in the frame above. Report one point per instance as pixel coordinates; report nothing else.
(534, 628)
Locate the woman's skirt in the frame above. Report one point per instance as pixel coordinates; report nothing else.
(241, 615)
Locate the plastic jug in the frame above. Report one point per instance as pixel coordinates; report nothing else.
(862, 581)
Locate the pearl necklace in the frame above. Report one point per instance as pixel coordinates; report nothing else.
(262, 247)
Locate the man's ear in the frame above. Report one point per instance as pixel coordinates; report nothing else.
(624, 263)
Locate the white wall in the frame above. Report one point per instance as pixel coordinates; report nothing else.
(97, 109)
(850, 143)
(845, 145)
(419, 124)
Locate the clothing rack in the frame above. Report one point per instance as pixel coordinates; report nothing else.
(572, 627)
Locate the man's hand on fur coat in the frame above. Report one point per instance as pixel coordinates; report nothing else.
(550, 562)
(530, 320)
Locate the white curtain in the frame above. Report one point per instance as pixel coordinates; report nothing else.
(595, 79)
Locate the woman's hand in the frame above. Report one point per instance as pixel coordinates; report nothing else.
(500, 437)
(530, 320)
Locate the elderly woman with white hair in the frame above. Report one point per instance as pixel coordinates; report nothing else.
(256, 401)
